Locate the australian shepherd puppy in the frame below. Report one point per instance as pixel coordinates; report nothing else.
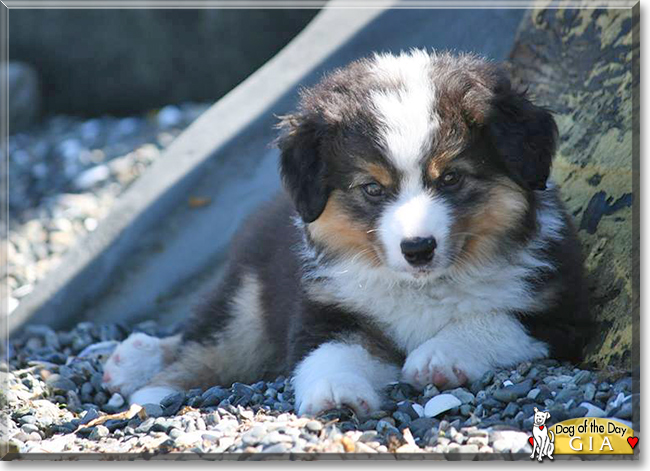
(418, 239)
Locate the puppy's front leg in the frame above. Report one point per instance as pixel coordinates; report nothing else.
(466, 348)
(341, 373)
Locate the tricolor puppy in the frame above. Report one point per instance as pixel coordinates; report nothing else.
(419, 239)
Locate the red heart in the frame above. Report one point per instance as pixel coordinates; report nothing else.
(541, 427)
(633, 441)
(531, 441)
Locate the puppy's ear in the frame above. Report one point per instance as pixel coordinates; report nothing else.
(301, 165)
(524, 135)
(535, 409)
(548, 415)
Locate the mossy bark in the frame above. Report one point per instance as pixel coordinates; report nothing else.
(583, 66)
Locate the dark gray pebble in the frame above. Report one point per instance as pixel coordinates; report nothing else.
(577, 411)
(407, 408)
(420, 426)
(213, 396)
(491, 403)
(401, 418)
(27, 419)
(91, 414)
(512, 393)
(115, 424)
(59, 383)
(511, 410)
(172, 403)
(145, 426)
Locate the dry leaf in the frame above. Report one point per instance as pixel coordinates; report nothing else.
(198, 202)
(134, 410)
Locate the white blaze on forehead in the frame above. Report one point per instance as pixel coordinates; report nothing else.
(406, 113)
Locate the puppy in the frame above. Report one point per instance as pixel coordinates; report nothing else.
(543, 443)
(418, 239)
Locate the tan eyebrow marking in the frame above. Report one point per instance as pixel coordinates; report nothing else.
(440, 161)
(381, 174)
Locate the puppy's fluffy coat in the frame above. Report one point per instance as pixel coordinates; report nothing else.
(418, 239)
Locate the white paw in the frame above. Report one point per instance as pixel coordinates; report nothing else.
(133, 363)
(343, 389)
(443, 365)
(151, 395)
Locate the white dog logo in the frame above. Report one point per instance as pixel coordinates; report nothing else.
(541, 441)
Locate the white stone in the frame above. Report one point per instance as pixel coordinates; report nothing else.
(116, 401)
(439, 404)
(592, 410)
(92, 177)
(510, 440)
(419, 410)
(169, 117)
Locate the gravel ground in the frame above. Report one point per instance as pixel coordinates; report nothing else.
(64, 176)
(55, 403)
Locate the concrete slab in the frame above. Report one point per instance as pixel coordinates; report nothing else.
(154, 254)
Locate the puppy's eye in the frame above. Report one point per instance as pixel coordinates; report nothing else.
(374, 190)
(450, 179)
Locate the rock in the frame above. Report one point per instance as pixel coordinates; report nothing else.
(24, 94)
(590, 392)
(402, 418)
(99, 432)
(214, 396)
(254, 436)
(116, 401)
(419, 410)
(92, 177)
(91, 414)
(592, 97)
(511, 409)
(514, 392)
(506, 440)
(419, 427)
(626, 411)
(60, 384)
(478, 441)
(172, 403)
(368, 436)
(623, 385)
(430, 391)
(439, 404)
(314, 426)
(410, 408)
(533, 394)
(578, 412)
(145, 426)
(582, 377)
(29, 428)
(186, 440)
(276, 448)
(153, 410)
(463, 395)
(592, 410)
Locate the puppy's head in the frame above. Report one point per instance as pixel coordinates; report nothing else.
(421, 163)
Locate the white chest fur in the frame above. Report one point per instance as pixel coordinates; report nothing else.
(414, 312)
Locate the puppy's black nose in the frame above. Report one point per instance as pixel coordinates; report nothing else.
(418, 250)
